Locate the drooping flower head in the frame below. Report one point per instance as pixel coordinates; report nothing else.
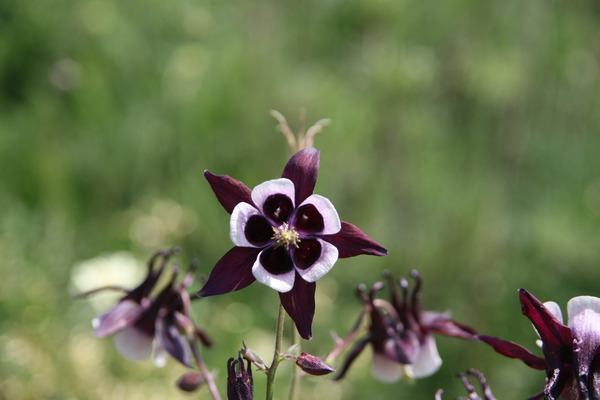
(145, 322)
(571, 352)
(285, 237)
(401, 334)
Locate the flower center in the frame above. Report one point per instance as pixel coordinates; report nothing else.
(285, 236)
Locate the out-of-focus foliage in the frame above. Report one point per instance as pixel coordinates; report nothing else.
(465, 139)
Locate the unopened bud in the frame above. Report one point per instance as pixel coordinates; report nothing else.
(239, 380)
(190, 382)
(313, 365)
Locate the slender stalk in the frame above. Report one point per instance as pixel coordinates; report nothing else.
(295, 385)
(276, 353)
(212, 387)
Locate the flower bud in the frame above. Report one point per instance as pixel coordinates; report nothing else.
(239, 380)
(313, 365)
(190, 381)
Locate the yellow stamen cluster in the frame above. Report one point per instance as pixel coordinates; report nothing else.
(285, 236)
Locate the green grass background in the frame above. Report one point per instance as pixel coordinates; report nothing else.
(465, 139)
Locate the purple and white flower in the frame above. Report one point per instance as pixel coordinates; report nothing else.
(145, 324)
(571, 352)
(401, 334)
(285, 237)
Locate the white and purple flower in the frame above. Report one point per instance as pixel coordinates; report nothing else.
(401, 334)
(285, 237)
(571, 352)
(144, 323)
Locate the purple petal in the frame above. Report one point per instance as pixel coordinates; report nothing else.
(125, 313)
(405, 348)
(326, 261)
(300, 305)
(302, 169)
(552, 332)
(268, 189)
(513, 350)
(232, 272)
(351, 242)
(282, 282)
(229, 192)
(173, 341)
(238, 222)
(328, 222)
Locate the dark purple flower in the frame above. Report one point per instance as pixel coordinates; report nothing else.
(285, 237)
(401, 334)
(571, 352)
(145, 323)
(239, 380)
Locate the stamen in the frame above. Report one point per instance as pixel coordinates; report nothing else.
(285, 236)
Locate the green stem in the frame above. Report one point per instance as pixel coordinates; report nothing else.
(276, 353)
(296, 372)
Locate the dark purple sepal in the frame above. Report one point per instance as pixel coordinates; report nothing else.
(302, 169)
(351, 241)
(513, 350)
(452, 328)
(355, 352)
(229, 191)
(551, 330)
(299, 303)
(203, 337)
(232, 272)
(124, 314)
(173, 341)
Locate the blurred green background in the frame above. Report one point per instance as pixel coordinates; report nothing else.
(465, 139)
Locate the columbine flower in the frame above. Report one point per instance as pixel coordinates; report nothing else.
(571, 353)
(285, 237)
(402, 335)
(144, 323)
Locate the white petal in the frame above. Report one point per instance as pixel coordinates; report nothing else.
(329, 255)
(584, 317)
(239, 217)
(282, 282)
(386, 370)
(428, 360)
(160, 356)
(331, 219)
(134, 344)
(554, 310)
(275, 186)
